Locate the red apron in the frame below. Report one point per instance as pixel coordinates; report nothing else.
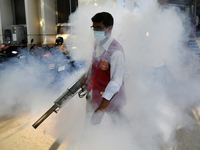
(100, 77)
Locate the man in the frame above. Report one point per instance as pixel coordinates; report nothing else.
(107, 70)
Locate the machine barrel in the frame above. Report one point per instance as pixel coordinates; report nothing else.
(62, 100)
(41, 119)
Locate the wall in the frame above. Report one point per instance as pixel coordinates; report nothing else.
(32, 21)
(41, 21)
(47, 22)
(6, 17)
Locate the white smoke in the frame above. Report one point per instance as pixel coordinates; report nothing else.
(158, 98)
(158, 77)
(28, 85)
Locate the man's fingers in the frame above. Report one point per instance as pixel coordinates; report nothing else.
(96, 117)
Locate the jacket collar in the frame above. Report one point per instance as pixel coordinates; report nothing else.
(106, 45)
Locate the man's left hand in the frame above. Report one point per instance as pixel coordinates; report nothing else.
(96, 117)
(99, 112)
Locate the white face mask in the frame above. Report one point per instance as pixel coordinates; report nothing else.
(99, 35)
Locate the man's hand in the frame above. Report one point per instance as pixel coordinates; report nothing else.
(96, 117)
(99, 112)
(83, 82)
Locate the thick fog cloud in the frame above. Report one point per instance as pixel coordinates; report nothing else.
(27, 84)
(159, 83)
(160, 80)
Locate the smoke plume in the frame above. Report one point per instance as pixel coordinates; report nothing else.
(160, 78)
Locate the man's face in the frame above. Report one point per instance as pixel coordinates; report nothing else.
(99, 26)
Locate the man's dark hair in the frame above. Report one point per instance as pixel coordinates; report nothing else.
(103, 17)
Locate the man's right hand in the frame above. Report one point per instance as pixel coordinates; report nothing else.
(83, 82)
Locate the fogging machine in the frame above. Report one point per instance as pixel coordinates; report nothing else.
(75, 88)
